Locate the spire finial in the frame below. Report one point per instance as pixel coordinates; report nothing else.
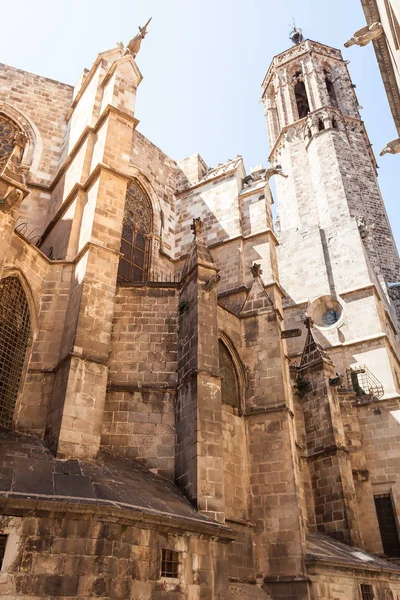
(296, 35)
(134, 44)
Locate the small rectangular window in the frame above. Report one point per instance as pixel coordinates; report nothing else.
(169, 563)
(387, 524)
(3, 541)
(367, 592)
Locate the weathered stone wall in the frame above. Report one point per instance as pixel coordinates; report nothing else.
(82, 555)
(139, 415)
(345, 585)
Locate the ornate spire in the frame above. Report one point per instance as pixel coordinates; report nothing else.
(198, 254)
(296, 35)
(134, 44)
(313, 351)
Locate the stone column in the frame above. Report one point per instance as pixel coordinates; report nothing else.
(327, 453)
(199, 460)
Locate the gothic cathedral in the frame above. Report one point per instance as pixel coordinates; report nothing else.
(195, 403)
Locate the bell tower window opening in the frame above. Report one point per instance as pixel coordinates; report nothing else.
(321, 125)
(330, 88)
(14, 341)
(135, 243)
(8, 131)
(300, 94)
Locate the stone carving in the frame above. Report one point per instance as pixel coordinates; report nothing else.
(276, 170)
(197, 226)
(134, 45)
(391, 148)
(256, 270)
(364, 36)
(363, 228)
(211, 283)
(9, 197)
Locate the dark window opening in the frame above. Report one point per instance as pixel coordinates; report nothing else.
(321, 125)
(367, 591)
(169, 563)
(229, 383)
(334, 124)
(14, 340)
(330, 88)
(300, 92)
(387, 524)
(3, 541)
(137, 225)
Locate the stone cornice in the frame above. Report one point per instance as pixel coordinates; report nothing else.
(16, 503)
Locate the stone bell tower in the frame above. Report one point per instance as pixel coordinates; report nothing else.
(337, 257)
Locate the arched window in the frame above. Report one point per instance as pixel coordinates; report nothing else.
(8, 131)
(330, 89)
(14, 339)
(300, 93)
(334, 124)
(230, 382)
(321, 125)
(137, 225)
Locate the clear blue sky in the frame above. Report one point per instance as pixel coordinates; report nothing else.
(203, 64)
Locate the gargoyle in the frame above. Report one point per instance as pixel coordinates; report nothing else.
(391, 147)
(276, 170)
(211, 283)
(363, 36)
(363, 228)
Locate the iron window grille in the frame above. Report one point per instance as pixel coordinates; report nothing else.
(169, 563)
(360, 380)
(367, 591)
(387, 524)
(7, 134)
(14, 340)
(3, 542)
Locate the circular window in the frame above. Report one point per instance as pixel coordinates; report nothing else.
(330, 317)
(325, 311)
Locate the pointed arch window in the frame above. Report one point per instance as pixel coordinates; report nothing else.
(135, 243)
(8, 131)
(330, 88)
(230, 382)
(15, 324)
(300, 94)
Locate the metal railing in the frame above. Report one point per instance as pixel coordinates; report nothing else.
(363, 383)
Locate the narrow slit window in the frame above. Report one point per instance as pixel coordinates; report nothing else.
(330, 88)
(14, 340)
(229, 383)
(169, 563)
(367, 591)
(300, 92)
(3, 542)
(387, 524)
